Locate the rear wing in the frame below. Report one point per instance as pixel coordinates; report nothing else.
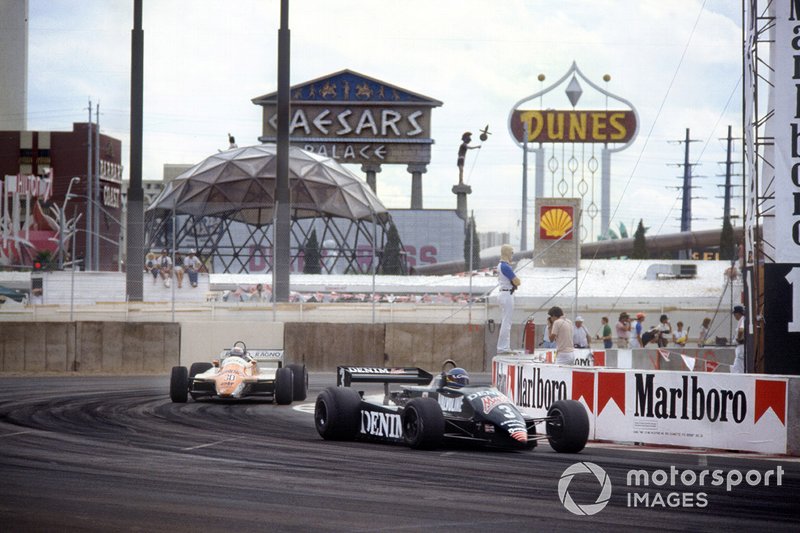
(345, 375)
(260, 355)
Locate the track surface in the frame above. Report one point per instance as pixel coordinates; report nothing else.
(113, 454)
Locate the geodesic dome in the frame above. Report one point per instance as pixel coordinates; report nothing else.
(224, 206)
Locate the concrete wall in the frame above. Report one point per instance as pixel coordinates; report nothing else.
(125, 347)
(203, 341)
(88, 346)
(323, 346)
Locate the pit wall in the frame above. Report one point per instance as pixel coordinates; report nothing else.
(743, 412)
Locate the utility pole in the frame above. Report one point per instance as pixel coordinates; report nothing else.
(727, 242)
(96, 198)
(728, 187)
(686, 202)
(88, 245)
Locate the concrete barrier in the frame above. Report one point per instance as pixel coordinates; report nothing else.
(88, 346)
(322, 346)
(428, 345)
(36, 347)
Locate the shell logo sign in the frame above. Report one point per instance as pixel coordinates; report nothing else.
(555, 222)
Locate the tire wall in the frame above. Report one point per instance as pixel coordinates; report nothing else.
(117, 347)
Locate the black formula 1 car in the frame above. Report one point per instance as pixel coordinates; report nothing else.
(428, 411)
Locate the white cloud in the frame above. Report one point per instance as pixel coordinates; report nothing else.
(206, 59)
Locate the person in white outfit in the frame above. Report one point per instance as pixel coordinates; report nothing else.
(738, 362)
(580, 335)
(508, 282)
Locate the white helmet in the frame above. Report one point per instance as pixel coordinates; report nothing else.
(236, 351)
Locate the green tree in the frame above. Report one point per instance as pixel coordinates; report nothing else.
(392, 260)
(46, 259)
(471, 230)
(311, 255)
(727, 244)
(639, 244)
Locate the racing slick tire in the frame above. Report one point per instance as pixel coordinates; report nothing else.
(337, 413)
(199, 368)
(179, 384)
(283, 386)
(568, 429)
(423, 424)
(300, 381)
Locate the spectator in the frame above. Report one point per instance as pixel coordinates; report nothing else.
(606, 334)
(637, 328)
(664, 331)
(652, 335)
(738, 362)
(623, 328)
(179, 269)
(165, 267)
(546, 342)
(151, 265)
(580, 335)
(704, 329)
(679, 336)
(561, 333)
(192, 265)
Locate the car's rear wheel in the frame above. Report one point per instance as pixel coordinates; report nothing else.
(179, 384)
(337, 412)
(300, 381)
(284, 390)
(199, 368)
(423, 424)
(568, 427)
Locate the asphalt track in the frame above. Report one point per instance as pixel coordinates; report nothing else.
(114, 454)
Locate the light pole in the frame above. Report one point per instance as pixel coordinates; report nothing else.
(62, 223)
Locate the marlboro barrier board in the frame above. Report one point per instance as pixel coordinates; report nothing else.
(704, 410)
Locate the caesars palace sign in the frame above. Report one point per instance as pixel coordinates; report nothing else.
(355, 119)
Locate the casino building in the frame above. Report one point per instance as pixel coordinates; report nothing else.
(37, 170)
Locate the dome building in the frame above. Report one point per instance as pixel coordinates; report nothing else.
(224, 207)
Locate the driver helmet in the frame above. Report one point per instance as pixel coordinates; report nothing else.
(236, 351)
(456, 377)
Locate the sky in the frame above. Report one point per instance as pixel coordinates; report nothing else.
(678, 62)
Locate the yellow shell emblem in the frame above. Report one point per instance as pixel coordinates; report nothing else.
(556, 222)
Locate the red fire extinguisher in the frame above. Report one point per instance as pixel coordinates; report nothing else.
(529, 336)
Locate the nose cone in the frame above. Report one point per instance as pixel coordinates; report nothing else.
(520, 435)
(228, 383)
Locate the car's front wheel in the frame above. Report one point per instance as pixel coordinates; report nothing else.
(423, 424)
(568, 426)
(179, 384)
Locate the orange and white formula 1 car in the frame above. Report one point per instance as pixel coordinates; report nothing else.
(239, 373)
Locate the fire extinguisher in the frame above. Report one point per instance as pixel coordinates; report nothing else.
(529, 336)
